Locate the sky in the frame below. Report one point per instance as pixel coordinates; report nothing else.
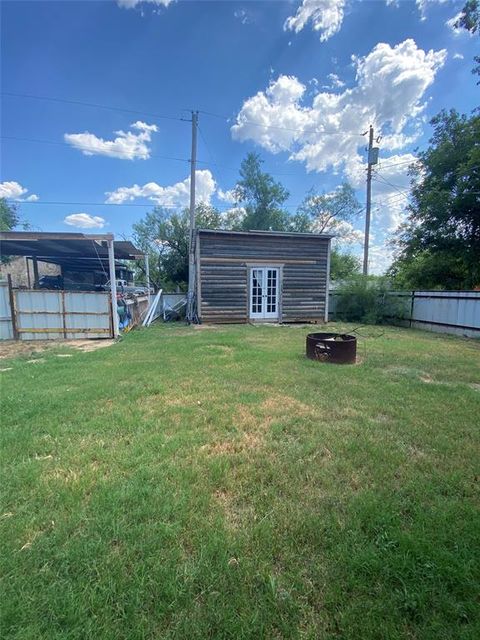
(97, 97)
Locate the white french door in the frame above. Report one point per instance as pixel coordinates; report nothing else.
(264, 289)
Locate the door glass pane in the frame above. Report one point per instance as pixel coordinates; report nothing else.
(271, 290)
(257, 290)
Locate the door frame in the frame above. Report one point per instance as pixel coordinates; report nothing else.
(265, 265)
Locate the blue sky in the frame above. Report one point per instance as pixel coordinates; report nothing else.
(313, 73)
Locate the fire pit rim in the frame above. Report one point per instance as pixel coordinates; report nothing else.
(322, 347)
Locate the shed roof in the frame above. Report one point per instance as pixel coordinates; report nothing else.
(258, 232)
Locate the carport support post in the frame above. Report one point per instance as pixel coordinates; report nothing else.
(113, 284)
(35, 272)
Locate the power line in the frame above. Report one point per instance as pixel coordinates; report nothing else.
(397, 164)
(82, 148)
(122, 204)
(271, 126)
(160, 157)
(396, 187)
(89, 104)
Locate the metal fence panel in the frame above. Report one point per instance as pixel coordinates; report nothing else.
(52, 315)
(6, 329)
(455, 312)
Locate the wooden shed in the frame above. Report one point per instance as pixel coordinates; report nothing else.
(255, 276)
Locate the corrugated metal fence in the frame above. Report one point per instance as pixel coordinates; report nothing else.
(39, 314)
(6, 330)
(456, 312)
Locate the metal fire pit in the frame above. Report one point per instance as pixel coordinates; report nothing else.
(339, 348)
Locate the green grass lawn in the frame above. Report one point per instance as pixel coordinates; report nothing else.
(214, 483)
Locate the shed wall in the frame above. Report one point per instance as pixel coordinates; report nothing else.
(224, 260)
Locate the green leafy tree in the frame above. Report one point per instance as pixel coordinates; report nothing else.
(9, 220)
(328, 212)
(164, 235)
(343, 265)
(261, 197)
(9, 217)
(439, 246)
(331, 213)
(469, 19)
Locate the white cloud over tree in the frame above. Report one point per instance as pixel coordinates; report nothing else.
(176, 195)
(128, 145)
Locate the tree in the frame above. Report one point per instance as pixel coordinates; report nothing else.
(261, 196)
(331, 213)
(9, 220)
(164, 235)
(469, 19)
(9, 217)
(439, 246)
(343, 265)
(328, 212)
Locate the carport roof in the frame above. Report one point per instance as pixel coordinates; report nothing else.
(59, 247)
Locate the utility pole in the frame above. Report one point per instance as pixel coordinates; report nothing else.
(369, 200)
(191, 240)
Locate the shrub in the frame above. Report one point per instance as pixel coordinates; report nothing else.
(367, 300)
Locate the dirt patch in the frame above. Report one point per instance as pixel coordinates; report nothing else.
(67, 476)
(381, 418)
(247, 442)
(217, 349)
(235, 515)
(206, 327)
(278, 405)
(16, 348)
(416, 452)
(88, 345)
(246, 419)
(475, 386)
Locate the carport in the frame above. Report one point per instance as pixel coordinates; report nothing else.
(78, 250)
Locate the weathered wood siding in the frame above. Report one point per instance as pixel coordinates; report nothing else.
(224, 261)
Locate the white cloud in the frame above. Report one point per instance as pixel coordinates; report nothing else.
(344, 232)
(226, 196)
(242, 15)
(335, 82)
(326, 17)
(457, 31)
(380, 257)
(127, 145)
(131, 4)
(14, 191)
(422, 6)
(458, 56)
(176, 195)
(233, 217)
(389, 92)
(390, 190)
(84, 221)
